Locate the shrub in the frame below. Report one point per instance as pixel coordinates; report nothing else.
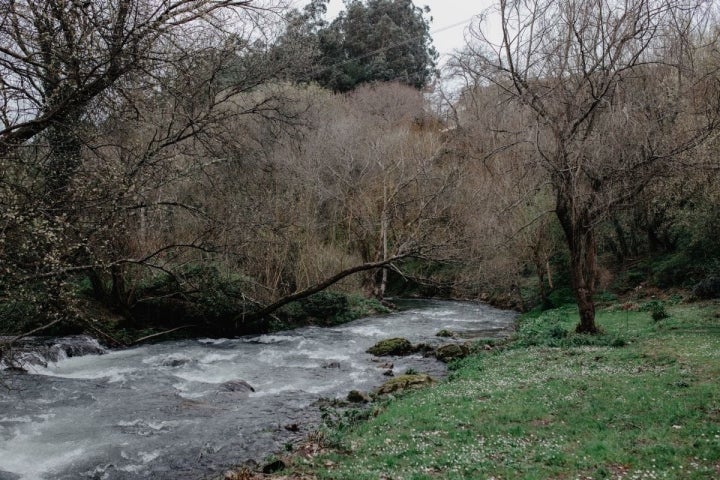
(656, 309)
(562, 296)
(708, 288)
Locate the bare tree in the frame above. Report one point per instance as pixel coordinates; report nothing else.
(105, 108)
(614, 94)
(57, 56)
(375, 171)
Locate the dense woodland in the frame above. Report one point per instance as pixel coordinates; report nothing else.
(231, 165)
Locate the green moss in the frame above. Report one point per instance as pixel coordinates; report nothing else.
(405, 382)
(452, 351)
(391, 346)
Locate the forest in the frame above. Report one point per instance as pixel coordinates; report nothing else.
(223, 167)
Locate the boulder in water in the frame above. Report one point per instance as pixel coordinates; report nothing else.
(425, 348)
(356, 396)
(452, 351)
(175, 362)
(392, 346)
(237, 386)
(81, 345)
(39, 351)
(445, 333)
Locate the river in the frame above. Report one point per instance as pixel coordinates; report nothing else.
(177, 410)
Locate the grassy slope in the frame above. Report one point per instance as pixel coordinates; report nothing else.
(550, 407)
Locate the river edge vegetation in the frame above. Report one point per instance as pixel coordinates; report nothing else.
(639, 401)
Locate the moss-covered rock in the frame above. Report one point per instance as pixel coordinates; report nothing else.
(391, 346)
(444, 333)
(451, 352)
(404, 382)
(357, 396)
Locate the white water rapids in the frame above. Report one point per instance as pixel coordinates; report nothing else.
(167, 411)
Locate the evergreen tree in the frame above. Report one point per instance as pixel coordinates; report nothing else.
(371, 41)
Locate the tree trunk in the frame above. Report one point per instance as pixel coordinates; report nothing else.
(381, 283)
(545, 300)
(541, 272)
(583, 267)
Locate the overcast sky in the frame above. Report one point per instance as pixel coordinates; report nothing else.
(450, 19)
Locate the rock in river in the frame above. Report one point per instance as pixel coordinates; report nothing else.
(450, 352)
(237, 386)
(392, 346)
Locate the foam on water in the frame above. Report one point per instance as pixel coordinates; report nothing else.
(272, 339)
(112, 375)
(367, 331)
(124, 414)
(213, 341)
(162, 359)
(217, 357)
(31, 458)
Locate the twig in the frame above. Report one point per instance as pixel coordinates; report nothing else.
(105, 334)
(154, 335)
(32, 332)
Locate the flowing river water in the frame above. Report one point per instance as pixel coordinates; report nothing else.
(180, 410)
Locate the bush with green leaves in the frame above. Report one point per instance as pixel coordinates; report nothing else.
(656, 309)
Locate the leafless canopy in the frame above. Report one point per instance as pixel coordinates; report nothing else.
(57, 56)
(613, 94)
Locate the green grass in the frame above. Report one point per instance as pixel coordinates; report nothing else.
(557, 405)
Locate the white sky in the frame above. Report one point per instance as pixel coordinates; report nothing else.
(450, 19)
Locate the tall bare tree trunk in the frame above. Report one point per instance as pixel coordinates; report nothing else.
(381, 283)
(580, 238)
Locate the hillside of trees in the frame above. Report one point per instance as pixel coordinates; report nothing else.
(213, 163)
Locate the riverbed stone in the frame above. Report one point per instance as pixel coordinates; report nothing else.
(405, 382)
(237, 386)
(392, 346)
(452, 351)
(445, 333)
(175, 362)
(425, 349)
(357, 396)
(39, 351)
(273, 467)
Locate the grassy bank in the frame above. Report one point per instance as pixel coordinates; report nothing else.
(641, 401)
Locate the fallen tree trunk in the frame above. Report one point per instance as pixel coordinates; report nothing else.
(318, 287)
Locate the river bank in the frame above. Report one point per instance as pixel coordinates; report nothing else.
(640, 401)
